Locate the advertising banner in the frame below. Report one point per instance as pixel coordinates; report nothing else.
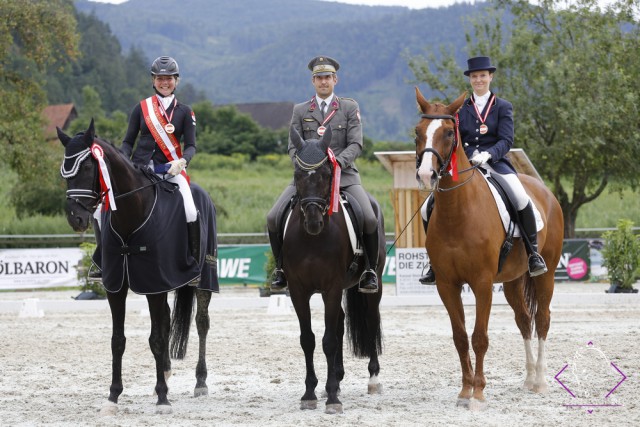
(39, 268)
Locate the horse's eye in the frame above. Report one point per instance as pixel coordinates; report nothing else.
(450, 133)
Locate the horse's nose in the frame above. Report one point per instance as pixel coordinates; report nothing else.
(314, 227)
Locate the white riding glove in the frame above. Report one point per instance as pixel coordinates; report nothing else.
(177, 166)
(480, 158)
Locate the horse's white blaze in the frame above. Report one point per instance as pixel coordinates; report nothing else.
(426, 165)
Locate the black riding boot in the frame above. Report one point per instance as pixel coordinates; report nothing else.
(279, 281)
(527, 218)
(95, 273)
(429, 277)
(193, 232)
(369, 279)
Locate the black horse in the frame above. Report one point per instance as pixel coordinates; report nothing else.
(318, 258)
(91, 168)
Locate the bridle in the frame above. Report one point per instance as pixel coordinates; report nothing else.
(92, 196)
(445, 163)
(87, 199)
(321, 203)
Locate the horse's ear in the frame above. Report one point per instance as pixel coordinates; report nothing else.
(422, 102)
(296, 139)
(326, 139)
(90, 134)
(63, 137)
(453, 108)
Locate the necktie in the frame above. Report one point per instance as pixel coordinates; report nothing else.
(323, 105)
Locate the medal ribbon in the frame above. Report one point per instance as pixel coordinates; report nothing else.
(334, 201)
(453, 160)
(105, 179)
(155, 121)
(164, 112)
(486, 114)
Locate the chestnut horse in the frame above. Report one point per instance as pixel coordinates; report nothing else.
(139, 192)
(464, 239)
(318, 258)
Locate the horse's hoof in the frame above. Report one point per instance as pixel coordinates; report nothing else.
(164, 409)
(109, 409)
(528, 385)
(200, 391)
(462, 403)
(540, 388)
(309, 404)
(333, 408)
(477, 405)
(374, 388)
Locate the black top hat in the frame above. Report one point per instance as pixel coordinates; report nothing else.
(479, 63)
(323, 66)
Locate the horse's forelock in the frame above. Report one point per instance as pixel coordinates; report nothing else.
(311, 153)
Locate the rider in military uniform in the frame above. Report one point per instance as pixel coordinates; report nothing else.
(311, 119)
(486, 129)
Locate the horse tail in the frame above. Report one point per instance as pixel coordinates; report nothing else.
(363, 324)
(530, 298)
(181, 321)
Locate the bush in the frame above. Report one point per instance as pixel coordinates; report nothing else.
(621, 254)
(83, 268)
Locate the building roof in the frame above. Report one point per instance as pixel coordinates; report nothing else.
(272, 115)
(59, 115)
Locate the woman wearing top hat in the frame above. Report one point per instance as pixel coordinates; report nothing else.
(486, 130)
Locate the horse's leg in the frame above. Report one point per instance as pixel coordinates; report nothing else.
(332, 314)
(480, 340)
(166, 330)
(450, 295)
(117, 304)
(543, 290)
(159, 344)
(514, 294)
(373, 325)
(308, 344)
(202, 323)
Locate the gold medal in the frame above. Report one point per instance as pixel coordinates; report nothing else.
(170, 128)
(483, 129)
(321, 130)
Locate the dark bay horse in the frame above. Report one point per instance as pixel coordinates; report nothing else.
(317, 256)
(463, 240)
(169, 336)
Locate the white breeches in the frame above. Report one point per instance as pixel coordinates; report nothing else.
(522, 199)
(189, 206)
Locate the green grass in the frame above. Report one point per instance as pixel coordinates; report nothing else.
(244, 191)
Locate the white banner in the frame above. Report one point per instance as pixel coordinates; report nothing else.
(411, 264)
(39, 268)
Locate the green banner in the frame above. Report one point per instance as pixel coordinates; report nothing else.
(245, 264)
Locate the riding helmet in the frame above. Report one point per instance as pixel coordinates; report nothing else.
(165, 66)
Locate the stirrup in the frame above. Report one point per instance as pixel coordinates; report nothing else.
(537, 265)
(279, 281)
(429, 277)
(372, 286)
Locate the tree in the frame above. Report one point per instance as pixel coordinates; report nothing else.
(571, 74)
(33, 36)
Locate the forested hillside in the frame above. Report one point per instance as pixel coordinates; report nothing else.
(256, 51)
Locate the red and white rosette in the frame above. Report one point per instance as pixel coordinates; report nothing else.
(334, 202)
(105, 179)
